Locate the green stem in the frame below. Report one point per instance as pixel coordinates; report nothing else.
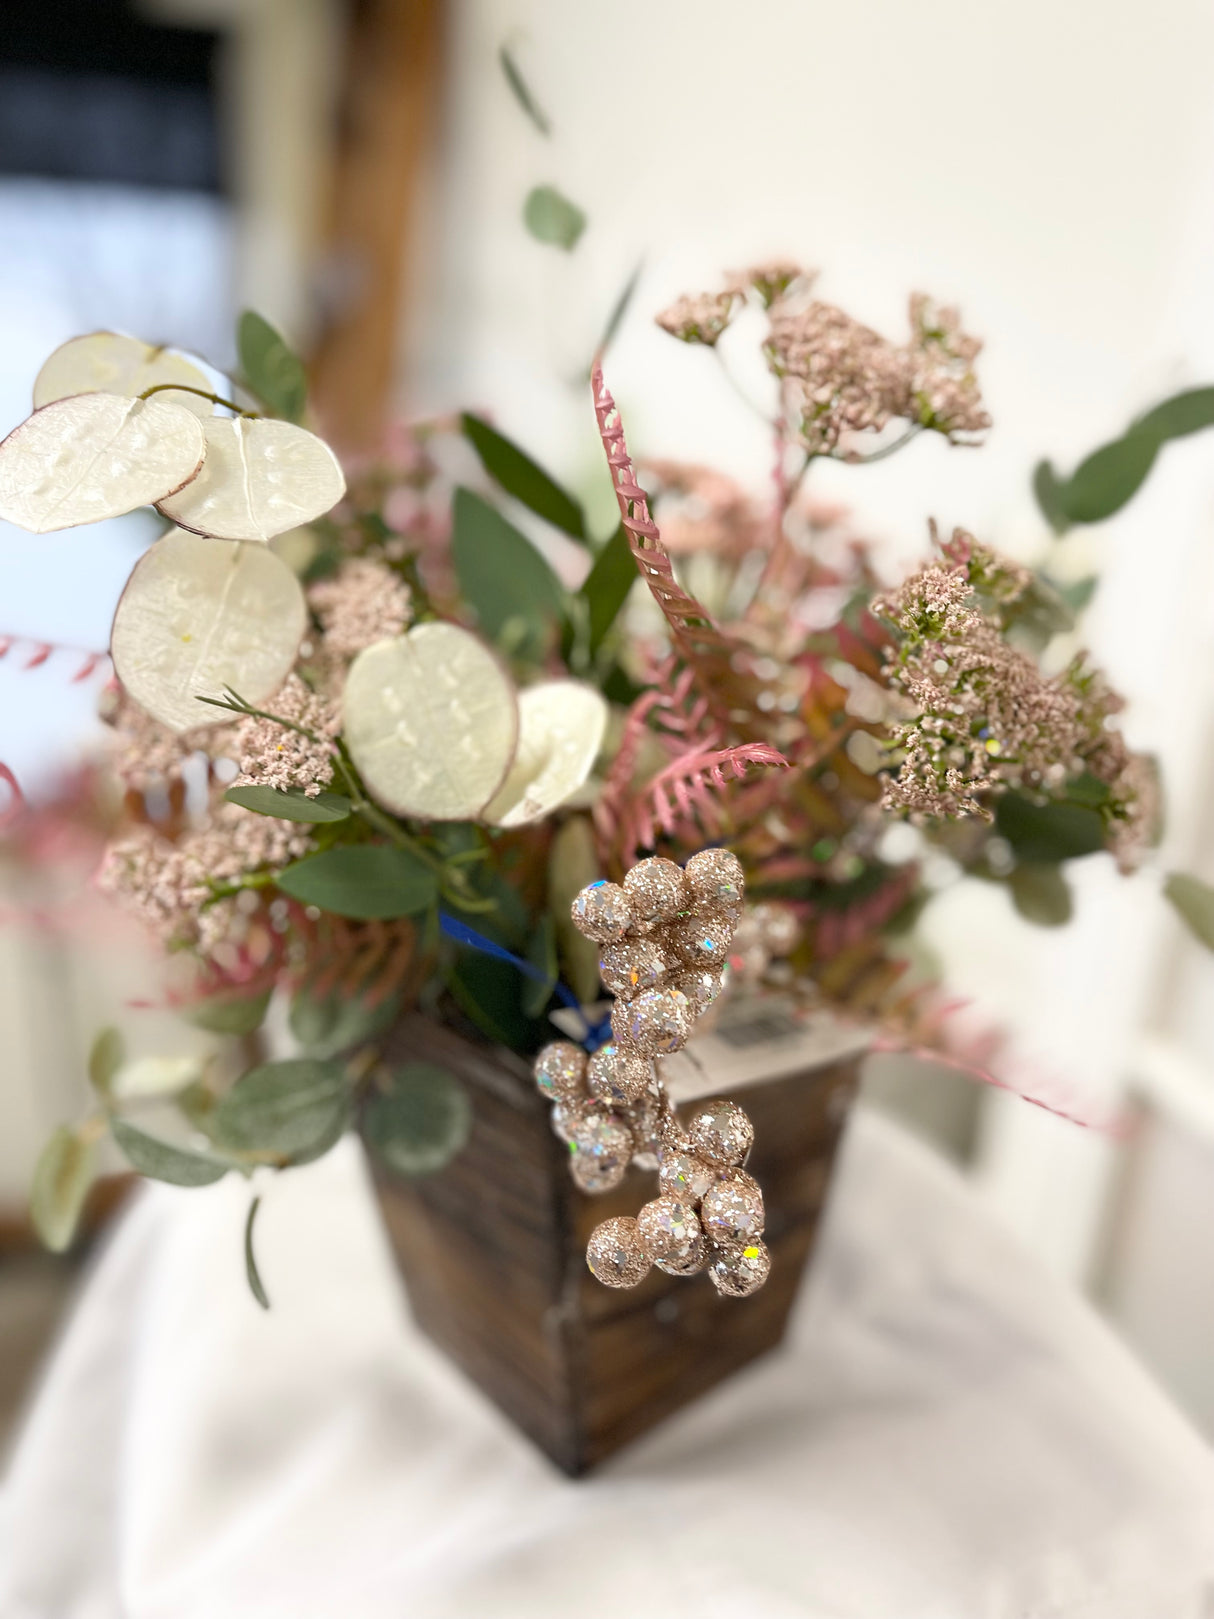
(201, 393)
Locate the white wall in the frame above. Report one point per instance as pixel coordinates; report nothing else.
(1051, 168)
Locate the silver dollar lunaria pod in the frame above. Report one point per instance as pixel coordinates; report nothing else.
(665, 934)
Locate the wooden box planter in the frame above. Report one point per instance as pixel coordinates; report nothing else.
(492, 1250)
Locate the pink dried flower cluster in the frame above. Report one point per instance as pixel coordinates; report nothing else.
(148, 754)
(943, 386)
(365, 601)
(698, 317)
(274, 755)
(166, 885)
(986, 718)
(839, 376)
(771, 280)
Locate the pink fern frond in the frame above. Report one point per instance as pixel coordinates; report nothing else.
(721, 663)
(684, 798)
(42, 651)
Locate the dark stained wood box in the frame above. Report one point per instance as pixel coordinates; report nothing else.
(492, 1250)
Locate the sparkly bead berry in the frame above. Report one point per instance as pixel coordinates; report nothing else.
(716, 880)
(602, 911)
(721, 1133)
(628, 968)
(732, 1210)
(614, 1253)
(618, 1076)
(736, 1272)
(560, 1069)
(658, 890)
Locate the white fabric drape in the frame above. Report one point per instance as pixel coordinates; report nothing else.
(949, 1434)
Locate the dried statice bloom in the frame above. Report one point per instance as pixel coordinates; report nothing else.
(698, 317)
(701, 509)
(944, 390)
(274, 755)
(772, 280)
(167, 884)
(839, 376)
(364, 602)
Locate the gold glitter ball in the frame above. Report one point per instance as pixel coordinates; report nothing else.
(560, 1069)
(567, 1114)
(600, 1147)
(701, 985)
(720, 1133)
(614, 1253)
(732, 1210)
(737, 1272)
(716, 880)
(603, 912)
(658, 890)
(656, 1023)
(628, 968)
(618, 1076)
(682, 1174)
(669, 1228)
(687, 1264)
(778, 928)
(703, 941)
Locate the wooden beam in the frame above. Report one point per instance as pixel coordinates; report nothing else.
(387, 117)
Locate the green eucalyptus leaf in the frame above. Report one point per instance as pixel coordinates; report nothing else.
(1079, 592)
(1041, 895)
(552, 218)
(327, 1025)
(284, 1108)
(290, 803)
(521, 91)
(162, 1161)
(1193, 901)
(62, 1177)
(106, 1057)
(1088, 789)
(366, 881)
(272, 370)
(619, 309)
(489, 992)
(1050, 492)
(229, 1013)
(252, 1274)
(1184, 413)
(420, 1122)
(502, 576)
(523, 478)
(606, 587)
(1109, 477)
(1043, 834)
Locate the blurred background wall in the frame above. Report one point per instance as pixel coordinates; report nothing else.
(357, 171)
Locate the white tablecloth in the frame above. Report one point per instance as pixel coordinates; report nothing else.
(950, 1434)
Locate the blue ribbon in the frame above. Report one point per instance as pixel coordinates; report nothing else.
(597, 1034)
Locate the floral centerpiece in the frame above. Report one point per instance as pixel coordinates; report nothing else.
(374, 747)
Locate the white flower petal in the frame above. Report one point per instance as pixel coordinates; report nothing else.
(431, 721)
(261, 478)
(561, 725)
(200, 614)
(94, 456)
(111, 362)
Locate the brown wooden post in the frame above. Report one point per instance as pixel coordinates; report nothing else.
(387, 115)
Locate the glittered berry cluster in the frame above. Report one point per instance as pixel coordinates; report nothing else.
(665, 934)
